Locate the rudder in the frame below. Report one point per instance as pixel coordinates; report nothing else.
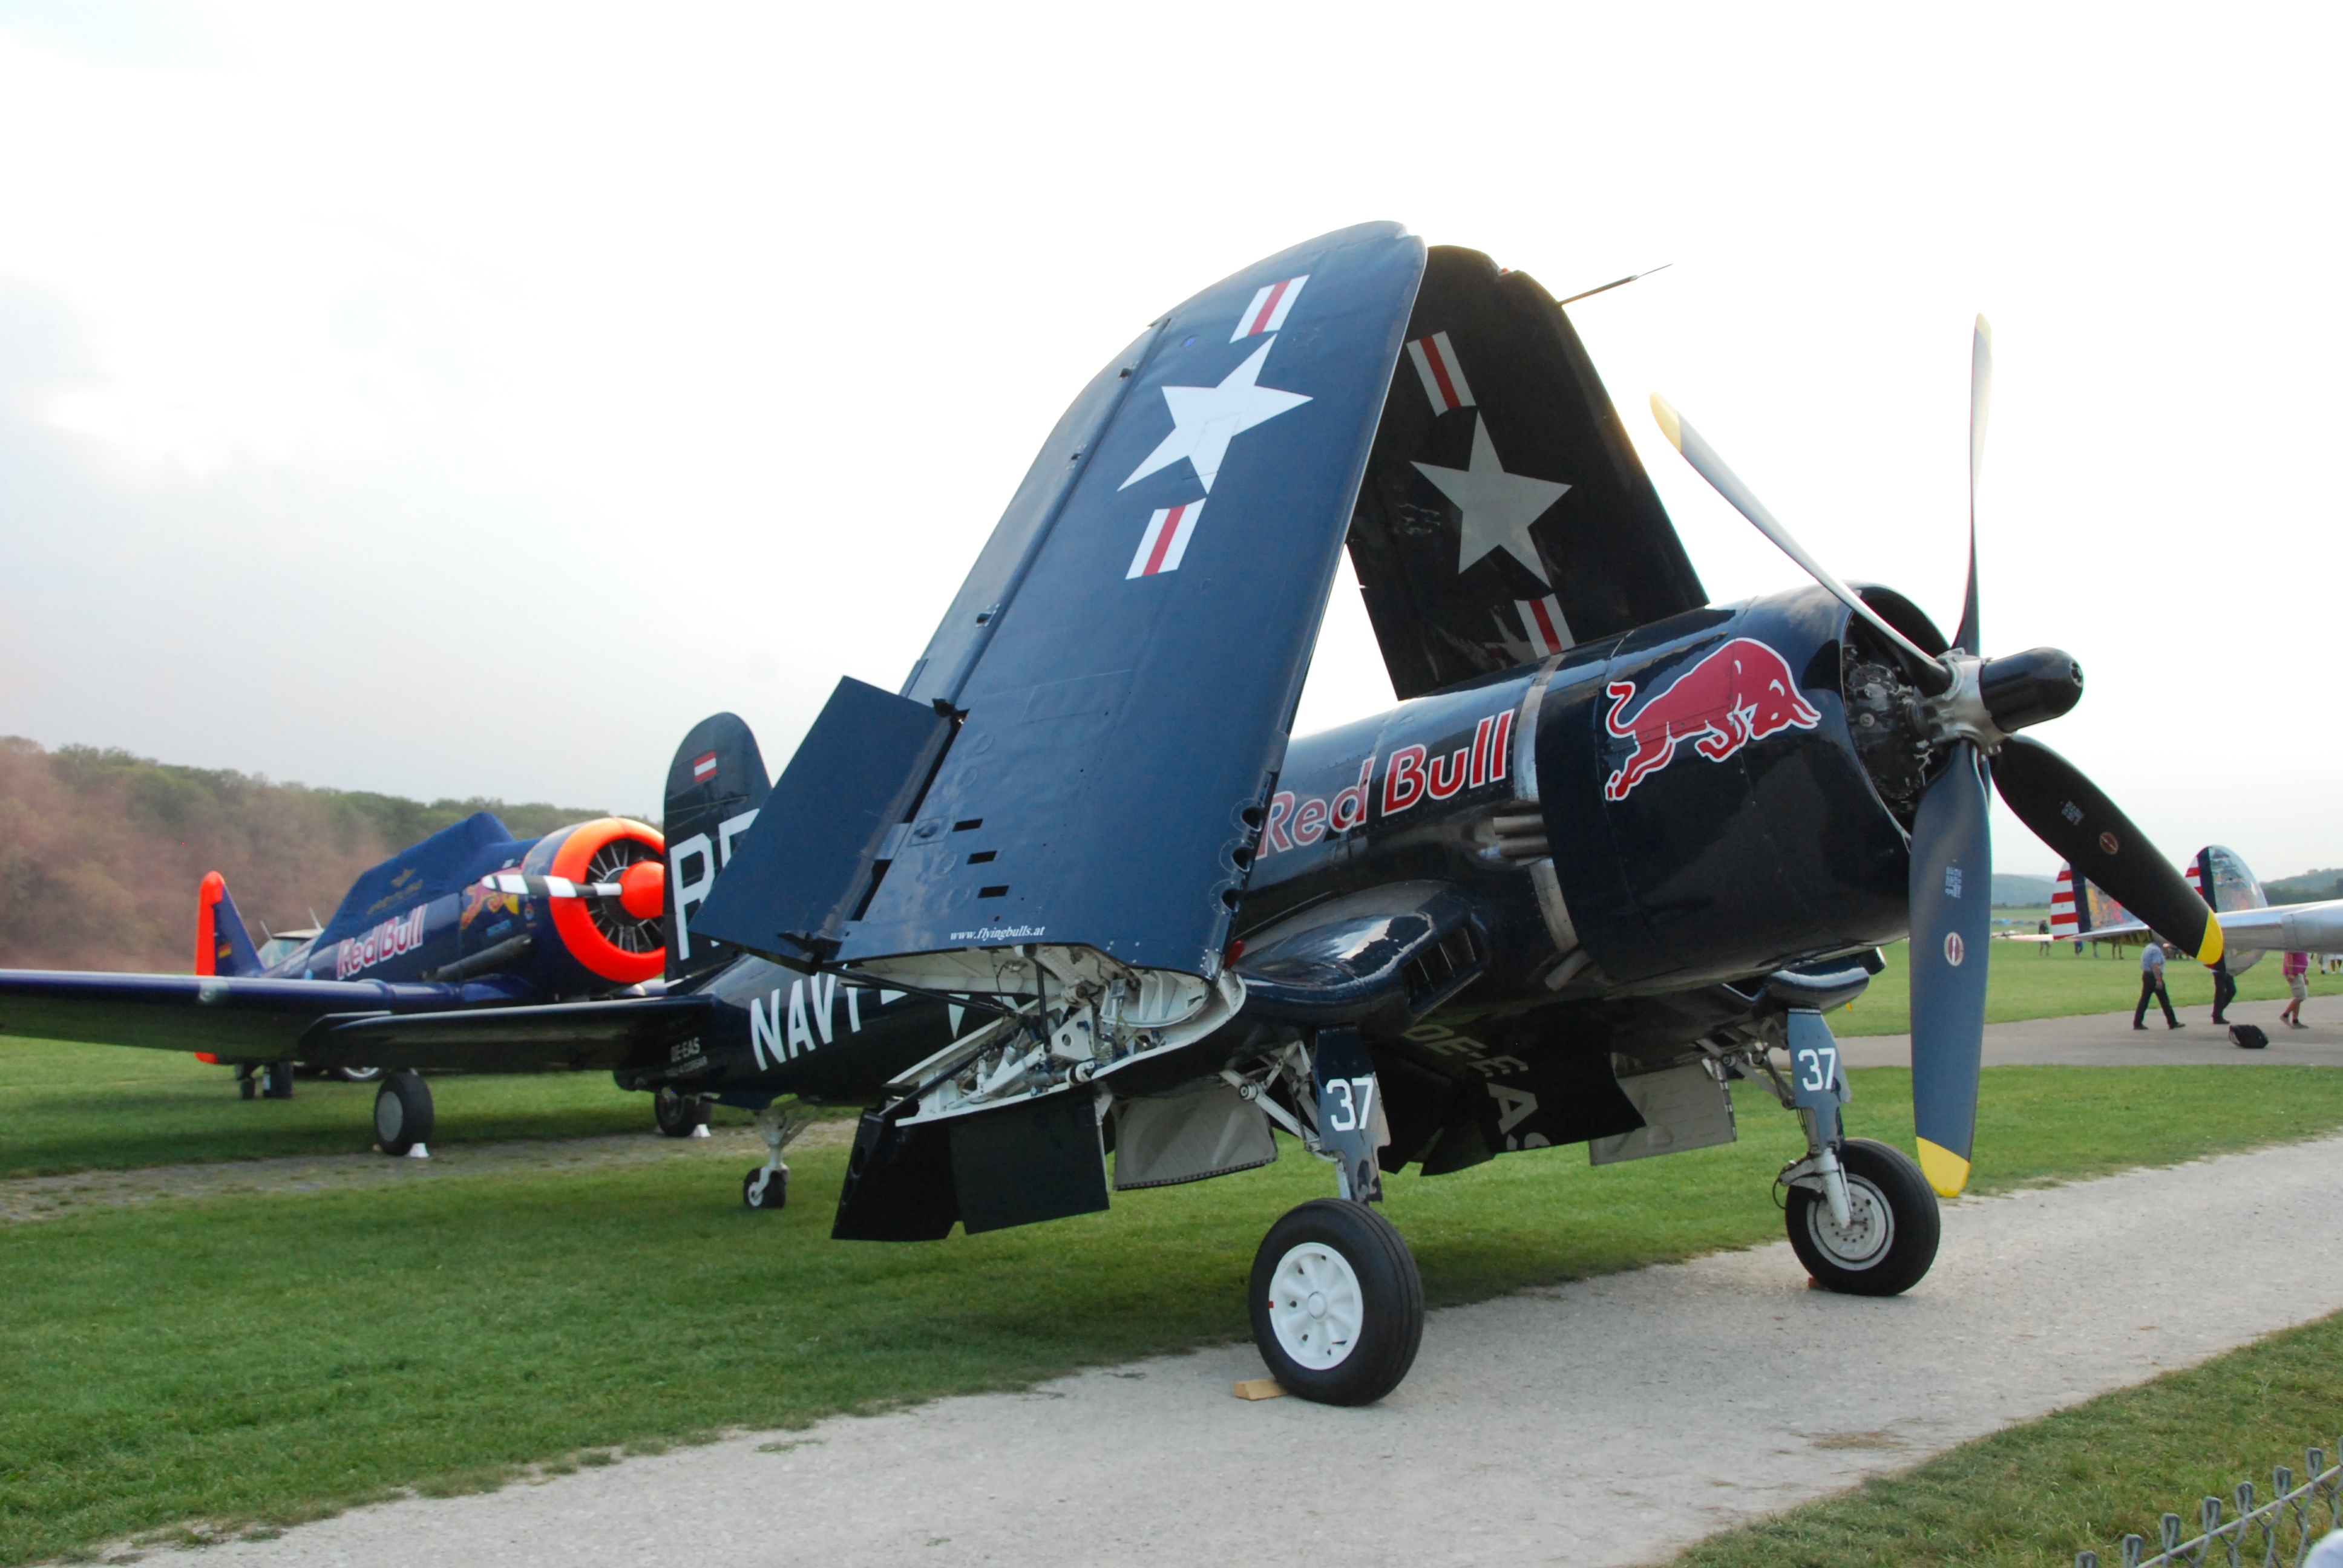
(715, 786)
(223, 947)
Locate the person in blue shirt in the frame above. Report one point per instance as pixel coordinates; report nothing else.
(2151, 984)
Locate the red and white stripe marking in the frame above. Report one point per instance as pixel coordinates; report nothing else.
(703, 769)
(1541, 619)
(2196, 886)
(1442, 378)
(2063, 923)
(1165, 541)
(1267, 313)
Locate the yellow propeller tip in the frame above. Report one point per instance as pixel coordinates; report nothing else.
(1985, 329)
(1670, 425)
(2210, 953)
(1946, 1172)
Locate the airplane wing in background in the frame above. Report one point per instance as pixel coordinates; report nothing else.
(340, 1023)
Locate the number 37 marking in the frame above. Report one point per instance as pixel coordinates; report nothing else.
(1350, 1103)
(1817, 1067)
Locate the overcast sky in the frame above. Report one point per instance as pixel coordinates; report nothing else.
(464, 400)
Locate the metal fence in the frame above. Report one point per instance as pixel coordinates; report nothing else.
(2280, 1531)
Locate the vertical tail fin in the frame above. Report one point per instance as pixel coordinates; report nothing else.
(2070, 914)
(714, 789)
(223, 947)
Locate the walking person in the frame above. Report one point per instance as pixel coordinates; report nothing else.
(2297, 972)
(2225, 988)
(2151, 984)
(2042, 930)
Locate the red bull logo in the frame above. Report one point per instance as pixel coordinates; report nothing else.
(1742, 692)
(386, 941)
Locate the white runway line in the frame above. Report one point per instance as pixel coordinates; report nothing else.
(1614, 1421)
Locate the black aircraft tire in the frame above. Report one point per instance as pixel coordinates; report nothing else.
(1865, 1262)
(678, 1115)
(759, 1195)
(1337, 1304)
(402, 1111)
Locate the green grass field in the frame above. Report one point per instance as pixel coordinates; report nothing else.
(2034, 1495)
(266, 1358)
(87, 1107)
(2027, 983)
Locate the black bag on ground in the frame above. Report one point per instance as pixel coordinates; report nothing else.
(2247, 1037)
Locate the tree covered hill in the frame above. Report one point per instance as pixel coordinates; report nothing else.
(101, 852)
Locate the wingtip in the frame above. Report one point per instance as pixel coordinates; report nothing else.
(1946, 1172)
(1670, 425)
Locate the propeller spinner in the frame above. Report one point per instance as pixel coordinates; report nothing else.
(1967, 720)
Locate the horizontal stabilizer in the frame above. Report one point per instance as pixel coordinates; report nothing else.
(806, 864)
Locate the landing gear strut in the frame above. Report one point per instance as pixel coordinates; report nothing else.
(768, 1186)
(1336, 1302)
(1861, 1217)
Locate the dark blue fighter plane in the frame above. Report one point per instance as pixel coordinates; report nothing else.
(1074, 892)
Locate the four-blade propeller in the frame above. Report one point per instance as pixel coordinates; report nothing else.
(1974, 708)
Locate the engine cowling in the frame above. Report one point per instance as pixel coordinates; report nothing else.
(616, 939)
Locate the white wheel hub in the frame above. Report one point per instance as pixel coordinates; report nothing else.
(1870, 1229)
(1316, 1306)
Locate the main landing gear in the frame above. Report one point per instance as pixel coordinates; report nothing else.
(679, 1115)
(402, 1115)
(1337, 1305)
(768, 1186)
(268, 1081)
(1861, 1217)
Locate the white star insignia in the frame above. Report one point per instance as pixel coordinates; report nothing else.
(1205, 419)
(1498, 507)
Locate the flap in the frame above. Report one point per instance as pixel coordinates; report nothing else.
(1505, 515)
(1400, 949)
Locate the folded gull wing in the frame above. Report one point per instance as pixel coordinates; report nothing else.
(561, 1035)
(1115, 681)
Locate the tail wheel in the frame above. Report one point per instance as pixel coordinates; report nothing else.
(1337, 1304)
(402, 1112)
(356, 1074)
(765, 1187)
(1890, 1239)
(678, 1115)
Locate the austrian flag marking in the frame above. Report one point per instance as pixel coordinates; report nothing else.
(703, 769)
(1271, 303)
(1165, 541)
(1442, 378)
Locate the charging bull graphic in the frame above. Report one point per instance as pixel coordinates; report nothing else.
(1742, 692)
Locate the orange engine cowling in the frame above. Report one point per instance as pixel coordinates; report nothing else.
(620, 939)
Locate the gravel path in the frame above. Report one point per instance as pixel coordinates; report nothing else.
(1610, 1422)
(2109, 1040)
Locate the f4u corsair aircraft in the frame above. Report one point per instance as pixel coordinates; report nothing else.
(1074, 890)
(1614, 845)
